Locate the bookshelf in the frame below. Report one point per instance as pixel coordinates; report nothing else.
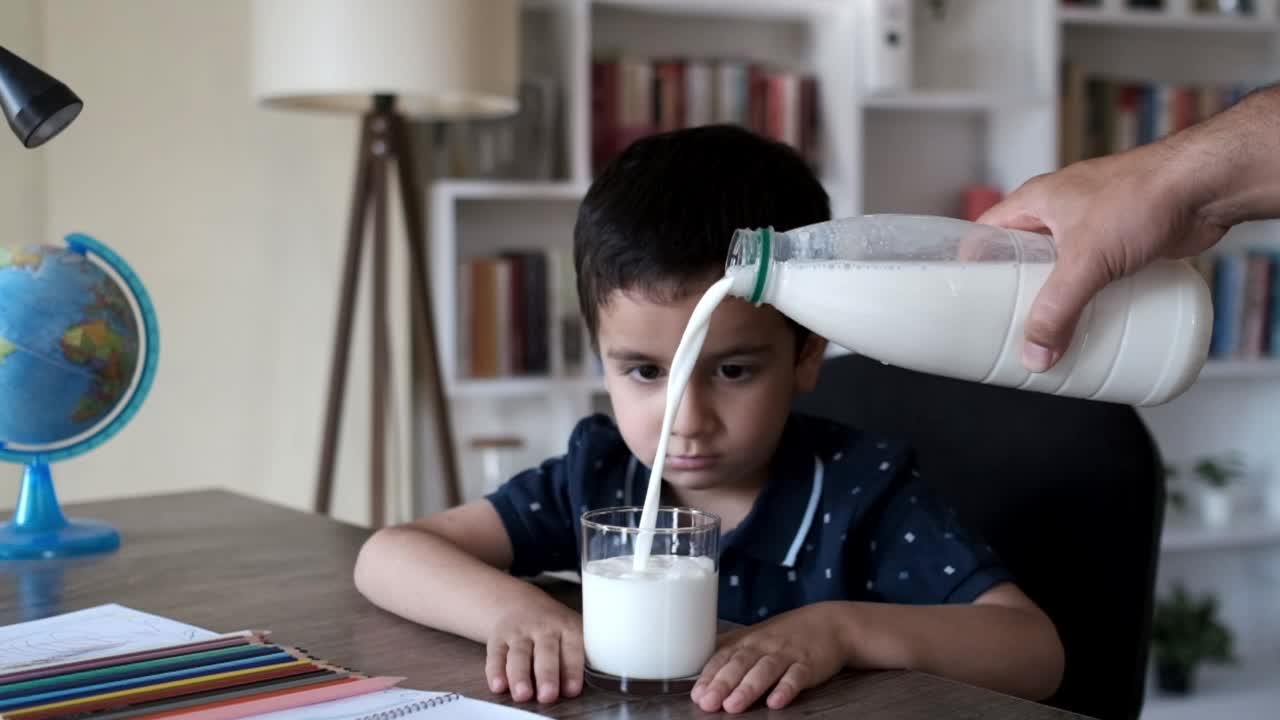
(1141, 18)
(983, 108)
(1251, 530)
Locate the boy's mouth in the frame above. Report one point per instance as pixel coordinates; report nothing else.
(691, 462)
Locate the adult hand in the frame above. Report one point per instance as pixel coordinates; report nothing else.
(1109, 217)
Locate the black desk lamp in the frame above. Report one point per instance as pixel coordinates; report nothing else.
(36, 105)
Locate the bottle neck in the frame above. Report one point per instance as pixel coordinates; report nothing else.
(749, 263)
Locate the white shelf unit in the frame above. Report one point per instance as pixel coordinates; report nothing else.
(1156, 19)
(1231, 406)
(1250, 530)
(982, 109)
(1260, 369)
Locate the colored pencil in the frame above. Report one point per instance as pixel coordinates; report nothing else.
(184, 701)
(281, 700)
(135, 669)
(69, 705)
(242, 638)
(98, 688)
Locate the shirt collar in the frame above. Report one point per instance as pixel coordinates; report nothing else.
(782, 510)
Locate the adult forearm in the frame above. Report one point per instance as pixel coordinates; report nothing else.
(427, 579)
(1228, 167)
(1011, 650)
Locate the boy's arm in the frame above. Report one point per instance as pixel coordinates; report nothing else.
(1002, 641)
(448, 571)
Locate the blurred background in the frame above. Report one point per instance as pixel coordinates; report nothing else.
(235, 211)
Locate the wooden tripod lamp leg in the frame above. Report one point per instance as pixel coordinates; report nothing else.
(381, 357)
(342, 333)
(425, 311)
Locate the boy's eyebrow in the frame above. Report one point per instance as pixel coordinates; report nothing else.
(630, 356)
(623, 355)
(741, 350)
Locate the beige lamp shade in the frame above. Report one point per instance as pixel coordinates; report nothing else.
(440, 58)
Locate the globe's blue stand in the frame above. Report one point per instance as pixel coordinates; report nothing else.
(40, 530)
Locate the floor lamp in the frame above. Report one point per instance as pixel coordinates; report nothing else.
(388, 60)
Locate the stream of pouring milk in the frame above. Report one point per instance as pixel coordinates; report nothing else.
(682, 364)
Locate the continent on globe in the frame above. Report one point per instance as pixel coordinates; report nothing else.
(69, 345)
(22, 259)
(96, 346)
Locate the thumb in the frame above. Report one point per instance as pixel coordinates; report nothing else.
(1052, 320)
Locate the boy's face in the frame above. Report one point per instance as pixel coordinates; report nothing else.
(738, 397)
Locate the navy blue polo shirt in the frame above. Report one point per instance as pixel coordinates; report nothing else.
(843, 516)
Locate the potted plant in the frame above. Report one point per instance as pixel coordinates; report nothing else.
(1217, 477)
(1175, 491)
(1185, 632)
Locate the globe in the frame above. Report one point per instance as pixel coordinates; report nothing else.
(78, 346)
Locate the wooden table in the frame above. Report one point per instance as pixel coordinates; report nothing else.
(225, 562)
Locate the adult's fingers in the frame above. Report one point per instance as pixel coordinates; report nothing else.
(1072, 283)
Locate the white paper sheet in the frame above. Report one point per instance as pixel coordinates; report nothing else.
(90, 633)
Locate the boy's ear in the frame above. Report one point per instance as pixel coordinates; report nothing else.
(809, 362)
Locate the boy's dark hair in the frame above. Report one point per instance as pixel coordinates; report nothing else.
(660, 216)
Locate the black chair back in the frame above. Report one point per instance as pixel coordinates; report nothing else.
(1070, 493)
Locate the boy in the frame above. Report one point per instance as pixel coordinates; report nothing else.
(834, 553)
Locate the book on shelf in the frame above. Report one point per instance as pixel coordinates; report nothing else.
(503, 315)
(1102, 115)
(1246, 302)
(632, 98)
(507, 315)
(522, 146)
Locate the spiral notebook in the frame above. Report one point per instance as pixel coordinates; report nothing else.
(400, 703)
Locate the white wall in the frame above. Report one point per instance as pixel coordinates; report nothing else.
(234, 217)
(21, 170)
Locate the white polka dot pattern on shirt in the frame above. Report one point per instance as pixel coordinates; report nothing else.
(882, 445)
(873, 546)
(826, 518)
(535, 506)
(733, 581)
(856, 489)
(828, 573)
(909, 537)
(947, 535)
(870, 584)
(808, 547)
(884, 465)
(791, 576)
(912, 499)
(904, 575)
(844, 536)
(949, 570)
(619, 494)
(762, 611)
(837, 456)
(915, 473)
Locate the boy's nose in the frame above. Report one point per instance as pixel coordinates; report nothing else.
(696, 416)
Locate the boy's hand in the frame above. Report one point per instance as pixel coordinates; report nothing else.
(536, 646)
(791, 652)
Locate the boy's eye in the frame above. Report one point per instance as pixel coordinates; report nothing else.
(645, 373)
(732, 371)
